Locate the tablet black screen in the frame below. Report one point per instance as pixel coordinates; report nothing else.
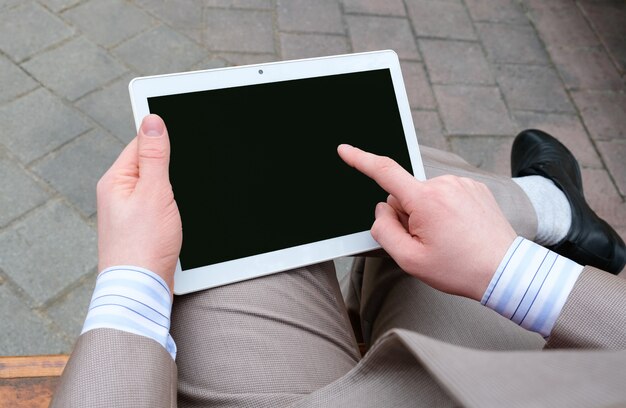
(255, 168)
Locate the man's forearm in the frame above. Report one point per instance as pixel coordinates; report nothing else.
(113, 368)
(125, 355)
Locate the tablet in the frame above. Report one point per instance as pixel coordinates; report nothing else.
(254, 164)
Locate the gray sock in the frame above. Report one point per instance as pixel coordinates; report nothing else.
(554, 215)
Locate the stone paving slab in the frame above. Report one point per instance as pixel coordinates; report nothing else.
(124, 21)
(75, 169)
(236, 58)
(47, 251)
(13, 82)
(323, 16)
(473, 110)
(159, 51)
(75, 68)
(533, 87)
(418, 88)
(442, 56)
(68, 312)
(604, 113)
(239, 30)
(38, 123)
(441, 19)
(59, 5)
(19, 40)
(587, 68)
(183, 16)
(375, 7)
(8, 3)
(501, 11)
(296, 46)
(429, 129)
(24, 332)
(512, 44)
(615, 152)
(560, 23)
(108, 106)
(476, 73)
(251, 4)
(607, 20)
(371, 33)
(19, 193)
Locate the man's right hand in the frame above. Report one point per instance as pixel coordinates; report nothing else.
(449, 231)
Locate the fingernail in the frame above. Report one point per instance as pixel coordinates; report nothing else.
(152, 126)
(345, 146)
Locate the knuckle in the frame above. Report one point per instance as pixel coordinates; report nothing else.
(451, 180)
(449, 184)
(385, 164)
(481, 185)
(429, 188)
(152, 151)
(152, 154)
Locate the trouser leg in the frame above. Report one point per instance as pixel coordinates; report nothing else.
(262, 342)
(392, 299)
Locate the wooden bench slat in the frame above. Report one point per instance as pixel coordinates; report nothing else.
(27, 392)
(30, 381)
(32, 366)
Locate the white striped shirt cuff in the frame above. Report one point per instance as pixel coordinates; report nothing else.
(133, 300)
(531, 286)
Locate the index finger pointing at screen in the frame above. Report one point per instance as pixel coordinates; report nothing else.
(392, 177)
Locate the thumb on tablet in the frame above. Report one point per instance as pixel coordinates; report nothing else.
(153, 150)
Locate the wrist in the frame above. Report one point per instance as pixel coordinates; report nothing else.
(165, 273)
(494, 255)
(147, 275)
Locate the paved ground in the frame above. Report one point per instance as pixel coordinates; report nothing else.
(477, 72)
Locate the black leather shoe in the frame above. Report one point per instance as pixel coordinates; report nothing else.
(590, 240)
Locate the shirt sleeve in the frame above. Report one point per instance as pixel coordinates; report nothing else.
(531, 285)
(133, 300)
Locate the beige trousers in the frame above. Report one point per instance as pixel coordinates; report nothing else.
(272, 340)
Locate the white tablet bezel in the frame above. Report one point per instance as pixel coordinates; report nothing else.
(209, 276)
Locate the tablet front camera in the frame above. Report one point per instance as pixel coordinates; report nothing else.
(260, 71)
